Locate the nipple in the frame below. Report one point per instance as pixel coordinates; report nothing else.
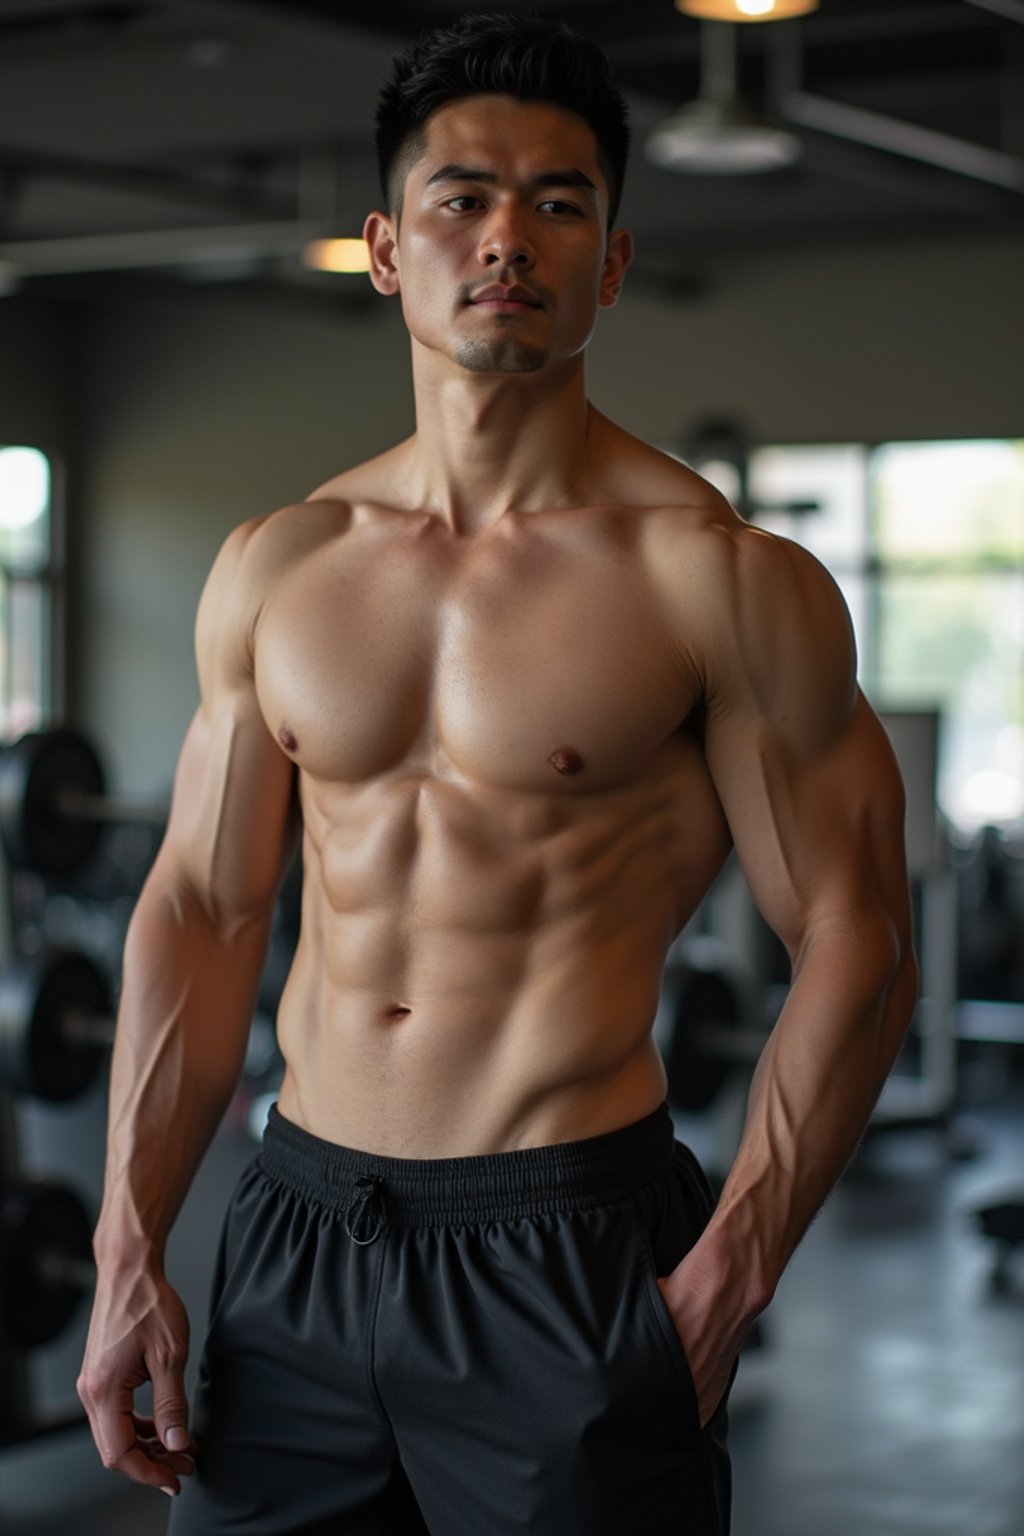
(286, 736)
(566, 760)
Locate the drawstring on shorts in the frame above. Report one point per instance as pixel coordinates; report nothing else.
(367, 1190)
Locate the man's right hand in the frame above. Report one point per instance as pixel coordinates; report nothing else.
(139, 1332)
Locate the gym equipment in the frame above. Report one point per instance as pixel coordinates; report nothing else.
(54, 805)
(708, 1039)
(46, 1260)
(56, 1024)
(1004, 1222)
(990, 910)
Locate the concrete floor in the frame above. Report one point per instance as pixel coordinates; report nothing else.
(891, 1399)
(888, 1399)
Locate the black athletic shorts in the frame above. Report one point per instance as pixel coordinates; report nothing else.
(466, 1346)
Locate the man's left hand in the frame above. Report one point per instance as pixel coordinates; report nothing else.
(710, 1325)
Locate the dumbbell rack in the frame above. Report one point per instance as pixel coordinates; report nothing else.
(15, 1386)
(19, 1420)
(56, 1030)
(15, 1392)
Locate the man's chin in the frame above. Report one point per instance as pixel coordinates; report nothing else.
(502, 355)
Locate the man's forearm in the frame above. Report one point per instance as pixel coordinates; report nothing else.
(810, 1100)
(183, 1023)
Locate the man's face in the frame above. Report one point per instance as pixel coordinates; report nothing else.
(501, 255)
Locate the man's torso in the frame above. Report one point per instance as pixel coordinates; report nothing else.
(507, 815)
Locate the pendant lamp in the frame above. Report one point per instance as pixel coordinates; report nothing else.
(746, 10)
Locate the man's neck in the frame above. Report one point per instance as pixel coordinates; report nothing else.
(490, 444)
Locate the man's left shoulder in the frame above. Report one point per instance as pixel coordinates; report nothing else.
(764, 621)
(776, 587)
(780, 642)
(689, 520)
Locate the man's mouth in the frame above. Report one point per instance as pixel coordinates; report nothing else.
(506, 298)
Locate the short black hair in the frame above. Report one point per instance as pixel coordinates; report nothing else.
(527, 57)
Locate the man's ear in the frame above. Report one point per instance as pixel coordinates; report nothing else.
(380, 234)
(616, 259)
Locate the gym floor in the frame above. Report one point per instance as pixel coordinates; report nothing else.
(887, 1398)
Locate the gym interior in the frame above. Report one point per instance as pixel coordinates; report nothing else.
(826, 317)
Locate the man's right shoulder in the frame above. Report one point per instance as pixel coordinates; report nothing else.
(254, 558)
(261, 550)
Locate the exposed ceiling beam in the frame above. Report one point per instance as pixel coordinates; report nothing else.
(155, 248)
(895, 177)
(902, 138)
(147, 181)
(1010, 10)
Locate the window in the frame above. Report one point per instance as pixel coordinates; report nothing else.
(926, 541)
(27, 584)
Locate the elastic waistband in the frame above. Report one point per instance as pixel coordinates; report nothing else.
(569, 1175)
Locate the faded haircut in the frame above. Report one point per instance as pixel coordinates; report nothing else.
(527, 57)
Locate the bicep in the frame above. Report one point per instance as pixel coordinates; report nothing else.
(231, 831)
(820, 839)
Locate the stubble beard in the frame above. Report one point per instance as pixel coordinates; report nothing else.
(499, 354)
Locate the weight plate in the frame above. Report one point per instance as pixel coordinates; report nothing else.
(37, 1056)
(37, 1219)
(34, 771)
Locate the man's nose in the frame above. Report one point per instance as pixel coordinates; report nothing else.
(504, 241)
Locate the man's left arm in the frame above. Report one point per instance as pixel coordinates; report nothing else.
(814, 799)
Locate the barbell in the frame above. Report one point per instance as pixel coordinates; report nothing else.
(46, 1260)
(54, 804)
(56, 1024)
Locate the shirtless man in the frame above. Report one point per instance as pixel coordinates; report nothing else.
(522, 681)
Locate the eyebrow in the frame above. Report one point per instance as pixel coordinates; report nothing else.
(566, 178)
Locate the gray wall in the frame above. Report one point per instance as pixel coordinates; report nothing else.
(199, 411)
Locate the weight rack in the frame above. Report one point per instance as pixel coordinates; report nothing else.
(42, 1211)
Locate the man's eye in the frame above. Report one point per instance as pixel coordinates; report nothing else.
(559, 205)
(464, 197)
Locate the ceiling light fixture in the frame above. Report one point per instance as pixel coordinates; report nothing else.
(746, 10)
(337, 255)
(720, 138)
(720, 134)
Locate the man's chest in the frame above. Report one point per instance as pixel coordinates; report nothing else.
(524, 663)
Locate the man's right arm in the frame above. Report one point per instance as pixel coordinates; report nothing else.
(193, 957)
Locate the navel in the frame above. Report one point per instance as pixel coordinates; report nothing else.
(566, 760)
(286, 736)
